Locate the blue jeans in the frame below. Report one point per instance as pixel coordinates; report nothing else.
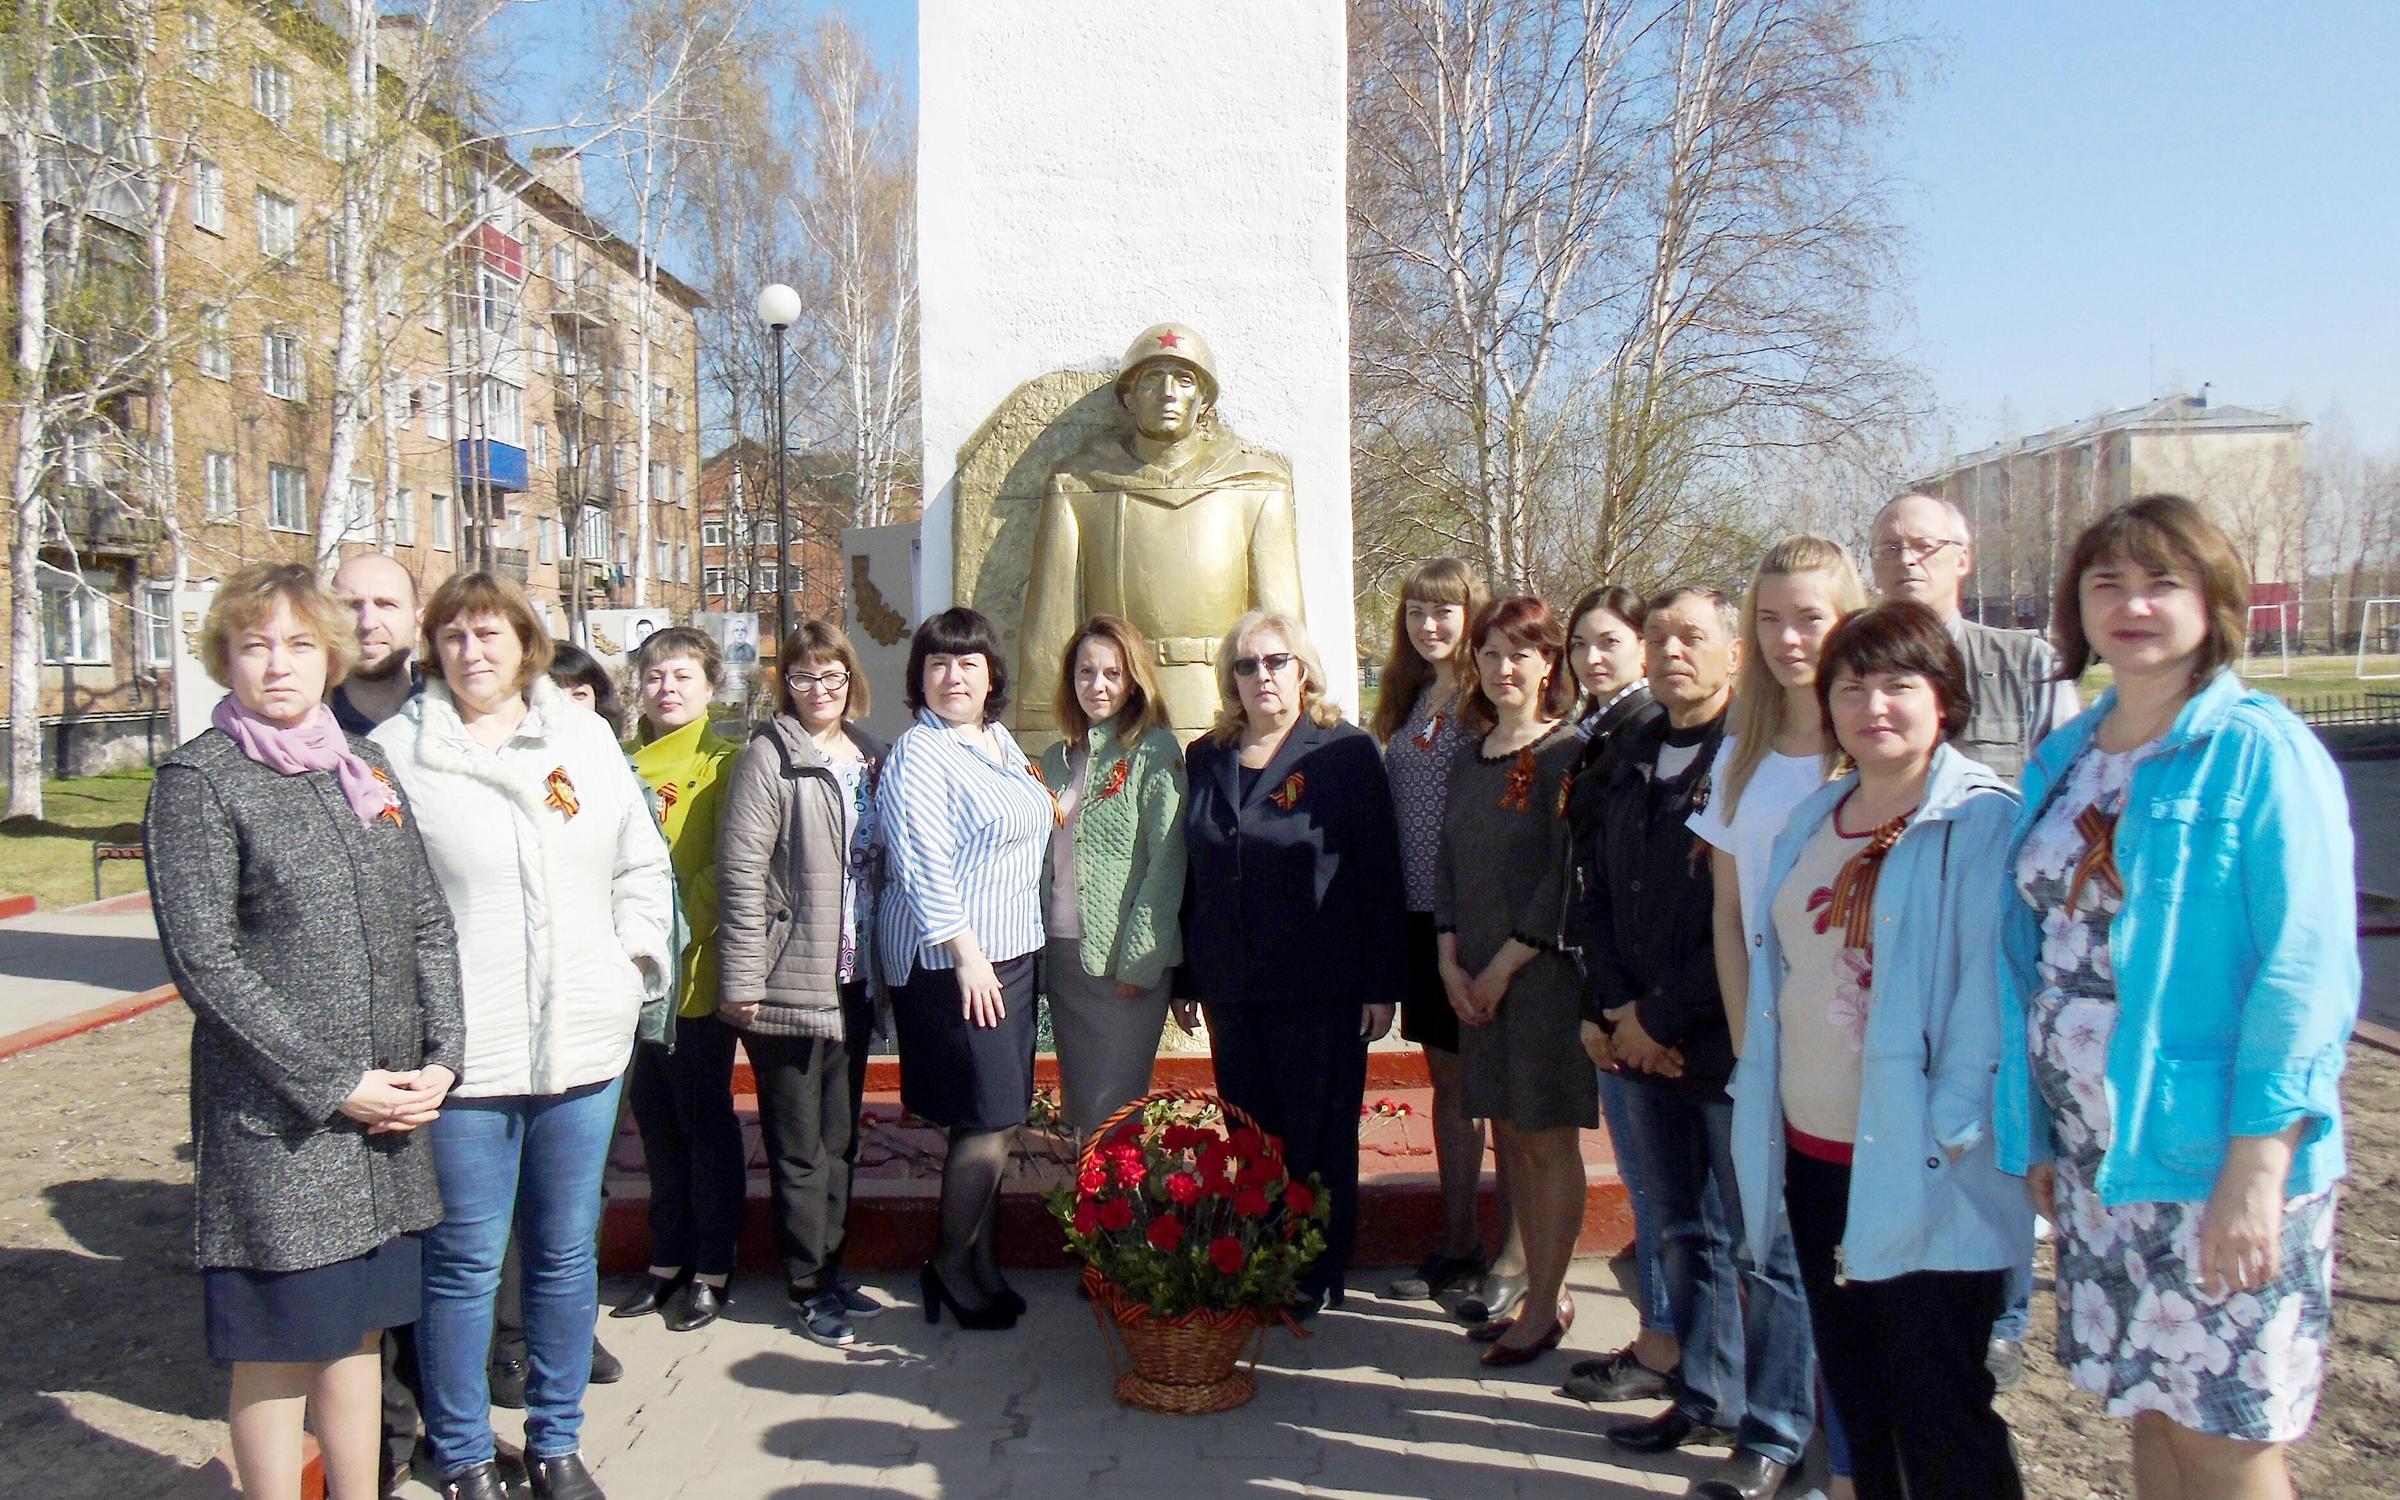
(1649, 1283)
(534, 1161)
(1748, 1363)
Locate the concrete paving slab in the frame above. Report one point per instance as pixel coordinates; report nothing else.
(56, 964)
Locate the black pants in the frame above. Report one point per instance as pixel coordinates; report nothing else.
(808, 1094)
(692, 1142)
(399, 1395)
(1903, 1359)
(1301, 1071)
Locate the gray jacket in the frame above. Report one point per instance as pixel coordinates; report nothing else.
(780, 858)
(2017, 699)
(310, 949)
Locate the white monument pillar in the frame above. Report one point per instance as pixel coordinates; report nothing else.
(1087, 168)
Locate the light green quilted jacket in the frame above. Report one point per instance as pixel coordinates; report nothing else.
(1129, 867)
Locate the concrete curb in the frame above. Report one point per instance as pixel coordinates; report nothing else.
(88, 1020)
(2377, 1036)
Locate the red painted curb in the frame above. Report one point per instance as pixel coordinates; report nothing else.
(16, 906)
(88, 1020)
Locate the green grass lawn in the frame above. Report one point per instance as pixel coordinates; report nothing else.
(51, 860)
(2311, 677)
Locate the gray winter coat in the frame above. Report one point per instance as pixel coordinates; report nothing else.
(780, 856)
(310, 948)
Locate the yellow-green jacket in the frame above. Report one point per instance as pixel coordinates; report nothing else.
(683, 768)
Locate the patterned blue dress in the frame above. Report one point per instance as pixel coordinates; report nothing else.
(2134, 1326)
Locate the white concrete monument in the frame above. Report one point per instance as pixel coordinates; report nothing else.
(1087, 170)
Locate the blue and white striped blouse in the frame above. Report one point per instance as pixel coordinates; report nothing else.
(964, 839)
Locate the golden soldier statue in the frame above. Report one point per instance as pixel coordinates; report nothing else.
(1178, 525)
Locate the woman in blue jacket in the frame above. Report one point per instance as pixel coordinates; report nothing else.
(1863, 1096)
(2181, 977)
(1293, 932)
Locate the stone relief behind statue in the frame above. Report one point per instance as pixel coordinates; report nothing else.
(1145, 506)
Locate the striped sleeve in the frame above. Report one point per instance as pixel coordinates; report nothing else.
(913, 804)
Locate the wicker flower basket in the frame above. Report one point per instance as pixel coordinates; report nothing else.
(1193, 1363)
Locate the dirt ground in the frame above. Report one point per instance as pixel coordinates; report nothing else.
(106, 1392)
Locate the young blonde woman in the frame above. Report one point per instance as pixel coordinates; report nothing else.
(1113, 889)
(1417, 721)
(1775, 752)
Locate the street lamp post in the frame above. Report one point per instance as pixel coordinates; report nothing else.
(779, 309)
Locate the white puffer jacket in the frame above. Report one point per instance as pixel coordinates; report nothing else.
(562, 917)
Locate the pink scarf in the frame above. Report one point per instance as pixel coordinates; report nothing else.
(316, 743)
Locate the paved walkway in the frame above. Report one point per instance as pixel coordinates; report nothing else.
(1385, 1400)
(54, 964)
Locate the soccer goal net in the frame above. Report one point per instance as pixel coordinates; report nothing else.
(2264, 618)
(2376, 627)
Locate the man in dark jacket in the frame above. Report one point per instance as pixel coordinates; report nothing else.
(1748, 1375)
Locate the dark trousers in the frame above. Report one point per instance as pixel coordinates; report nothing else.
(808, 1095)
(683, 1107)
(399, 1395)
(1903, 1358)
(1301, 1071)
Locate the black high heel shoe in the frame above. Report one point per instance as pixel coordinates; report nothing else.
(936, 1296)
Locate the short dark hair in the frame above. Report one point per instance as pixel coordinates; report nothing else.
(1524, 621)
(2170, 534)
(681, 640)
(958, 631)
(1899, 636)
(572, 666)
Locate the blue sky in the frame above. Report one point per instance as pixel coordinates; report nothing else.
(2105, 198)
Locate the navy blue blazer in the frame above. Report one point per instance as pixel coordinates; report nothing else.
(1295, 895)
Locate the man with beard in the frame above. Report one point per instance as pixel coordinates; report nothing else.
(1650, 982)
(383, 597)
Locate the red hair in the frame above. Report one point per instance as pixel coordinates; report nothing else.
(1521, 620)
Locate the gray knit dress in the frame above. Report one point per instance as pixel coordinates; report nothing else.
(1504, 854)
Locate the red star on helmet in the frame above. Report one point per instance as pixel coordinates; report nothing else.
(1168, 341)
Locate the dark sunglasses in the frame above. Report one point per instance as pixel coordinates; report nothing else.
(1274, 662)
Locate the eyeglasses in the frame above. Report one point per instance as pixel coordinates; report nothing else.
(1273, 662)
(824, 682)
(1919, 550)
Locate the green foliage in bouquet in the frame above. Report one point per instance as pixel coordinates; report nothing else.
(1181, 1210)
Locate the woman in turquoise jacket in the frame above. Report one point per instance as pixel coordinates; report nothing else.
(2181, 975)
(1112, 889)
(1862, 1102)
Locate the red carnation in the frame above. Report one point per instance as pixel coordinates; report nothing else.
(1091, 1179)
(1227, 1254)
(1298, 1198)
(1184, 1188)
(1087, 1217)
(1247, 1143)
(1260, 1172)
(1250, 1203)
(1166, 1232)
(1131, 1170)
(1115, 1214)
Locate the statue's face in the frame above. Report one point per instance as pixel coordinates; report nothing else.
(1166, 400)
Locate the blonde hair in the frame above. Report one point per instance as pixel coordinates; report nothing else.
(1758, 699)
(1445, 580)
(823, 642)
(464, 594)
(1314, 705)
(1144, 708)
(245, 600)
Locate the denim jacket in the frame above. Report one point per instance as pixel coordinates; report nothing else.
(1932, 1046)
(2236, 952)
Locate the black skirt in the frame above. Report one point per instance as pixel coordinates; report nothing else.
(315, 1316)
(1425, 1014)
(959, 1075)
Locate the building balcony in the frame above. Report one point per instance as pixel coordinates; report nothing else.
(586, 304)
(100, 522)
(516, 563)
(501, 466)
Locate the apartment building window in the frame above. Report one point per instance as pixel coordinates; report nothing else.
(287, 498)
(624, 552)
(219, 495)
(74, 618)
(770, 578)
(546, 539)
(79, 457)
(208, 196)
(215, 354)
(334, 245)
(271, 92)
(662, 560)
(683, 562)
(337, 131)
(391, 292)
(200, 46)
(562, 266)
(541, 445)
(361, 521)
(401, 516)
(712, 580)
(429, 184)
(658, 479)
(445, 525)
(278, 226)
(286, 365)
(503, 413)
(437, 411)
(158, 624)
(712, 533)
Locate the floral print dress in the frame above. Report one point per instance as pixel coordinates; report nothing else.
(2134, 1326)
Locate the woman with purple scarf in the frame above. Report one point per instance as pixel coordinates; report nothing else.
(303, 926)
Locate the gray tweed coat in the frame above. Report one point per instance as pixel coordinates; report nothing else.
(310, 949)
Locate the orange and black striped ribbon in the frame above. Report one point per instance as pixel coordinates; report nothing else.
(1854, 888)
(2099, 858)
